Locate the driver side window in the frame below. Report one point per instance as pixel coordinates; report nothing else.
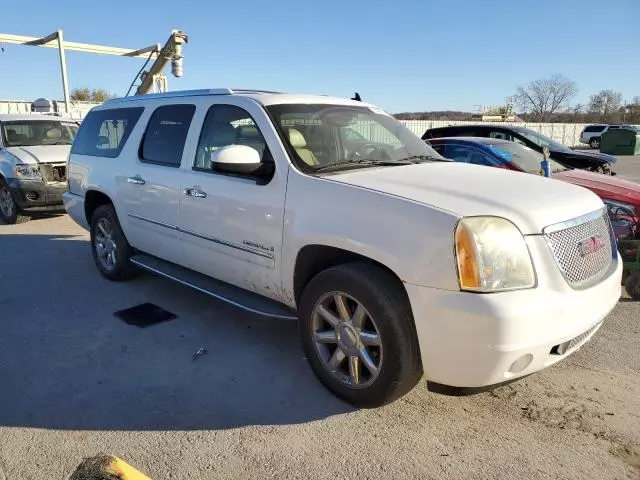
(226, 125)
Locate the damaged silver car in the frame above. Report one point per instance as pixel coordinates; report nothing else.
(33, 162)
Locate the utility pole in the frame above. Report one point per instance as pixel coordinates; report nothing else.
(63, 69)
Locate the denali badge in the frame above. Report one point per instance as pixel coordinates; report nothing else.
(590, 245)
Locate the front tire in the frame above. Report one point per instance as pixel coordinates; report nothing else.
(632, 285)
(358, 334)
(594, 143)
(110, 248)
(9, 212)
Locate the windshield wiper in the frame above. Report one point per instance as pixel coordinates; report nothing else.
(362, 163)
(423, 158)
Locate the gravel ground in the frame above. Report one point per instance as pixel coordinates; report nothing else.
(76, 381)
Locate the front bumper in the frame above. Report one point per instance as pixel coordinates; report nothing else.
(36, 194)
(471, 340)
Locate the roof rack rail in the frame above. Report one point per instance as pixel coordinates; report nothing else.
(251, 90)
(189, 93)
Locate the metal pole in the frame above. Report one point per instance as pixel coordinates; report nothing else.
(63, 68)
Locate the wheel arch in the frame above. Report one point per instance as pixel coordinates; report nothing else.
(94, 199)
(315, 258)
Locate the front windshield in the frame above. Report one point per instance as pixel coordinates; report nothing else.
(26, 133)
(322, 137)
(542, 141)
(524, 157)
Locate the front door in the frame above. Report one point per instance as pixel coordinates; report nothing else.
(151, 188)
(232, 225)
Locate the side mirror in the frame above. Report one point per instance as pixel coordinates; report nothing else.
(236, 159)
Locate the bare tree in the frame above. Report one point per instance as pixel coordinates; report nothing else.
(605, 102)
(546, 96)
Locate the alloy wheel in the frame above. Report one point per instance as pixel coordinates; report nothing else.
(6, 202)
(347, 340)
(106, 247)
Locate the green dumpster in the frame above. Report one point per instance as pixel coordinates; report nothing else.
(620, 141)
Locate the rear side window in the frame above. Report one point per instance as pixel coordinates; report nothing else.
(163, 142)
(594, 128)
(103, 133)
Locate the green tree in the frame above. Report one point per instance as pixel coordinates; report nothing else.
(96, 95)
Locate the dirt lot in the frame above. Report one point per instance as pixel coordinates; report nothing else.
(75, 381)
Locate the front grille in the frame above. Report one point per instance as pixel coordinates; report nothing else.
(575, 342)
(53, 173)
(582, 248)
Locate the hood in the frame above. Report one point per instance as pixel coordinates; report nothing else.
(604, 186)
(531, 202)
(41, 153)
(586, 155)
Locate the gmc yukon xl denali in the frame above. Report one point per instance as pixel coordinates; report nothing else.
(396, 262)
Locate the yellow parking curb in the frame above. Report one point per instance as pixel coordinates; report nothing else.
(106, 467)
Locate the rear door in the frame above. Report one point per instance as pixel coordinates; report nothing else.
(150, 189)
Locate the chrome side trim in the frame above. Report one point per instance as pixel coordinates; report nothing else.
(219, 241)
(210, 293)
(154, 222)
(260, 253)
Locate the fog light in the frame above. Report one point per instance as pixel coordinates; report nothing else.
(33, 196)
(521, 363)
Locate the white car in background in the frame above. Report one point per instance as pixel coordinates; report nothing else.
(591, 133)
(33, 161)
(394, 260)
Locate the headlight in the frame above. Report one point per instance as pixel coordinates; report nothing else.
(616, 208)
(28, 172)
(492, 255)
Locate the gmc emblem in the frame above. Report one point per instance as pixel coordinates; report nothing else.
(590, 245)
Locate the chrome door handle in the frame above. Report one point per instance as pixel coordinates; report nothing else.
(137, 180)
(195, 192)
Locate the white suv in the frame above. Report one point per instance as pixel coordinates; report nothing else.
(395, 261)
(591, 134)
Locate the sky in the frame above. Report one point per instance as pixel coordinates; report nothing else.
(412, 55)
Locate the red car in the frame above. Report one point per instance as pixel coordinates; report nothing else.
(621, 196)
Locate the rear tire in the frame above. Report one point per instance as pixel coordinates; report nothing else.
(110, 248)
(632, 285)
(594, 142)
(390, 365)
(9, 212)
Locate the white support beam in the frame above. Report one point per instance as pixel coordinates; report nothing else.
(63, 69)
(50, 41)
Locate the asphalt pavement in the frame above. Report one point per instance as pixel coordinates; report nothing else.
(75, 380)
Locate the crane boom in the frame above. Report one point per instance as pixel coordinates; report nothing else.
(172, 51)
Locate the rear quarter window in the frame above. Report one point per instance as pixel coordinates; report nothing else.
(594, 129)
(103, 133)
